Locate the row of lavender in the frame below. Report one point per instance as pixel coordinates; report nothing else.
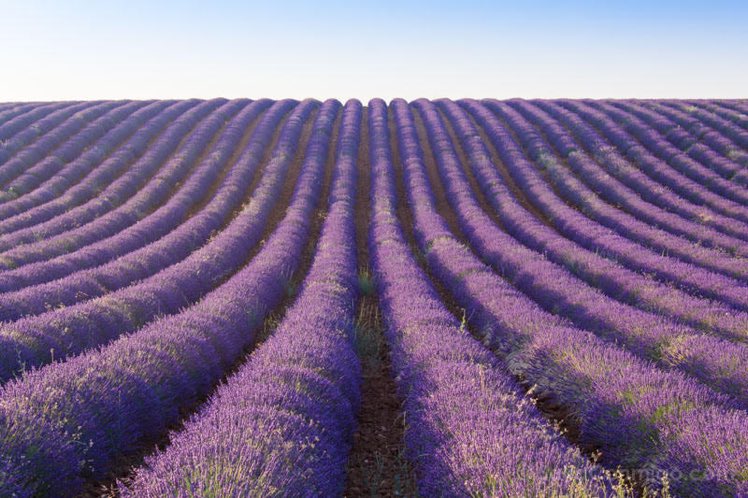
(718, 148)
(72, 231)
(547, 169)
(79, 211)
(715, 361)
(25, 130)
(470, 432)
(78, 134)
(720, 193)
(638, 415)
(610, 276)
(42, 270)
(175, 237)
(17, 118)
(582, 228)
(286, 417)
(70, 422)
(625, 185)
(18, 213)
(622, 284)
(37, 340)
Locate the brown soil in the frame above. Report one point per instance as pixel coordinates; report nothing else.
(376, 466)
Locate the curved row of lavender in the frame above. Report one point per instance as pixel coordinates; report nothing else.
(573, 190)
(12, 111)
(469, 431)
(51, 149)
(70, 422)
(726, 111)
(75, 168)
(174, 239)
(615, 399)
(611, 278)
(595, 248)
(29, 122)
(287, 416)
(712, 133)
(40, 339)
(650, 150)
(574, 225)
(157, 153)
(70, 231)
(33, 125)
(715, 361)
(70, 141)
(683, 173)
(701, 143)
(79, 190)
(87, 217)
(621, 184)
(733, 110)
(698, 312)
(714, 138)
(92, 197)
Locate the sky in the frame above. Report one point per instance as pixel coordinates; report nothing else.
(85, 49)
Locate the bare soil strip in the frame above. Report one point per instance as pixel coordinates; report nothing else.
(377, 464)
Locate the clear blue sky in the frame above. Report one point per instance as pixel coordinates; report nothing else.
(76, 49)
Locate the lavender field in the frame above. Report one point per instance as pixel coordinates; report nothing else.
(230, 298)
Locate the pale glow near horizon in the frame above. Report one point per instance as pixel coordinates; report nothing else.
(94, 50)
